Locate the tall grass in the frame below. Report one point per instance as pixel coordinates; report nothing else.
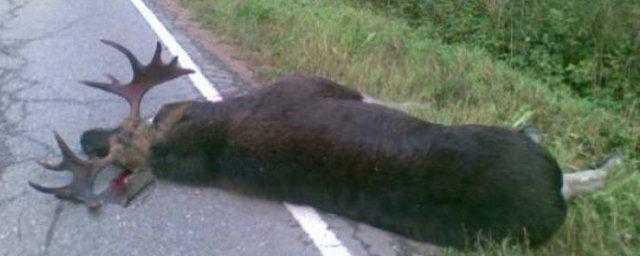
(446, 83)
(592, 48)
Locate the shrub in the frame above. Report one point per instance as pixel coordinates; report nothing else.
(592, 47)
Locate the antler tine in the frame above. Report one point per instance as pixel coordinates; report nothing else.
(174, 62)
(67, 155)
(113, 87)
(84, 173)
(68, 158)
(157, 55)
(48, 190)
(136, 66)
(144, 77)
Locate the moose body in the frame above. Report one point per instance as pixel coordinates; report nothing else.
(312, 141)
(309, 140)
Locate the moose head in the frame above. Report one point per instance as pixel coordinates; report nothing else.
(127, 146)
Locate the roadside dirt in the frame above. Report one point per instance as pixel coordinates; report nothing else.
(184, 19)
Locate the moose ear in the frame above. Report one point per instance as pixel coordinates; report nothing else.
(171, 113)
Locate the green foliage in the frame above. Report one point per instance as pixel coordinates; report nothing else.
(591, 46)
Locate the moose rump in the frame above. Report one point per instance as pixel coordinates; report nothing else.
(312, 141)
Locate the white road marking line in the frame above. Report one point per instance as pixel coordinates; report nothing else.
(200, 81)
(310, 221)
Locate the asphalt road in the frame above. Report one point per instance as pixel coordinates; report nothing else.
(45, 48)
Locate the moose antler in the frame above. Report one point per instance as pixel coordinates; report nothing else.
(85, 172)
(144, 77)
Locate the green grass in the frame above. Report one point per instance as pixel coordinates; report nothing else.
(591, 48)
(453, 84)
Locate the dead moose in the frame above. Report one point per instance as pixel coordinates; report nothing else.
(312, 141)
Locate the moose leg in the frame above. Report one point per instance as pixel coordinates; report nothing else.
(588, 180)
(531, 132)
(581, 181)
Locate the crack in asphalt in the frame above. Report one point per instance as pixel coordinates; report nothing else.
(11, 64)
(13, 84)
(51, 230)
(70, 101)
(20, 224)
(12, 12)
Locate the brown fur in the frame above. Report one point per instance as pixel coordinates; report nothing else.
(312, 141)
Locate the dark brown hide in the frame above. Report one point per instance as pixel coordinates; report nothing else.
(312, 141)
